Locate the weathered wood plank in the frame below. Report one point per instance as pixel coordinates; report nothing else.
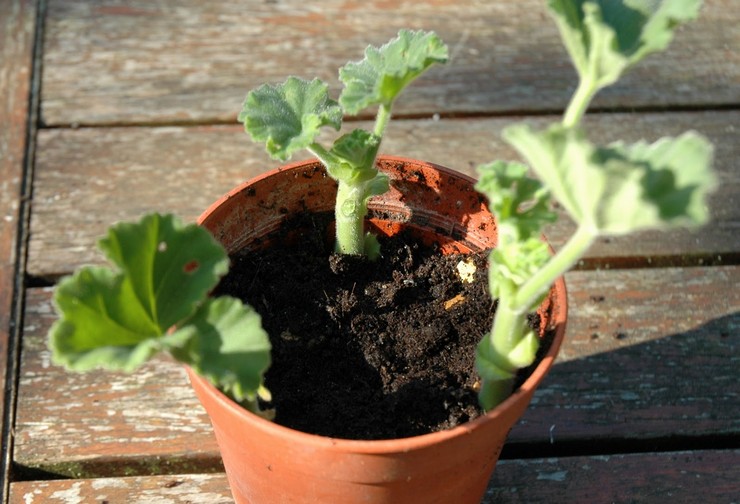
(678, 477)
(154, 62)
(649, 352)
(88, 178)
(663, 363)
(180, 489)
(106, 423)
(17, 25)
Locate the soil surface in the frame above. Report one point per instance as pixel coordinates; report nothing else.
(367, 350)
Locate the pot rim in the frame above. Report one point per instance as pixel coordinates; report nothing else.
(380, 446)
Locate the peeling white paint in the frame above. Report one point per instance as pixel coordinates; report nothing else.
(553, 476)
(101, 428)
(28, 498)
(106, 483)
(69, 496)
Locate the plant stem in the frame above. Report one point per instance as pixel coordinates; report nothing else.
(509, 325)
(381, 120)
(321, 154)
(507, 332)
(494, 392)
(350, 211)
(496, 370)
(561, 262)
(579, 102)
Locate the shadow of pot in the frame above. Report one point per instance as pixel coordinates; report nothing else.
(267, 463)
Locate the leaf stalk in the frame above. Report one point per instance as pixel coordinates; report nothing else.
(579, 103)
(568, 255)
(382, 119)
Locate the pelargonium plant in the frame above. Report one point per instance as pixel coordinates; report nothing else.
(607, 190)
(288, 117)
(156, 299)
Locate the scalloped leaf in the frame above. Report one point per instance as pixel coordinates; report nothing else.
(384, 72)
(288, 117)
(169, 266)
(352, 157)
(513, 263)
(118, 318)
(520, 203)
(621, 188)
(605, 37)
(227, 345)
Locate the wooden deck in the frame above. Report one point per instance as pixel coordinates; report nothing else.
(112, 109)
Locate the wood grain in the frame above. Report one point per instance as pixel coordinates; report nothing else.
(179, 489)
(634, 368)
(17, 25)
(140, 99)
(193, 61)
(88, 178)
(106, 423)
(650, 352)
(678, 477)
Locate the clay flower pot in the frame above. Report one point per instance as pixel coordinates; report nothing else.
(267, 463)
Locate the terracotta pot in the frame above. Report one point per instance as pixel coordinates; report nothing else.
(269, 464)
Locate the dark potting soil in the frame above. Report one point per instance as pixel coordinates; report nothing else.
(367, 350)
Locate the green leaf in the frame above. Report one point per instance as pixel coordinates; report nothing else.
(352, 157)
(521, 206)
(168, 266)
(676, 180)
(515, 262)
(605, 37)
(620, 189)
(372, 247)
(288, 116)
(118, 318)
(96, 329)
(227, 345)
(520, 203)
(384, 72)
(377, 186)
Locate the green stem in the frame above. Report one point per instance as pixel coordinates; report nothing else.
(350, 211)
(494, 353)
(381, 120)
(561, 262)
(322, 154)
(508, 329)
(509, 326)
(579, 102)
(494, 392)
(494, 366)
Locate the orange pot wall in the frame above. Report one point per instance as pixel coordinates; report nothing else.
(270, 464)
